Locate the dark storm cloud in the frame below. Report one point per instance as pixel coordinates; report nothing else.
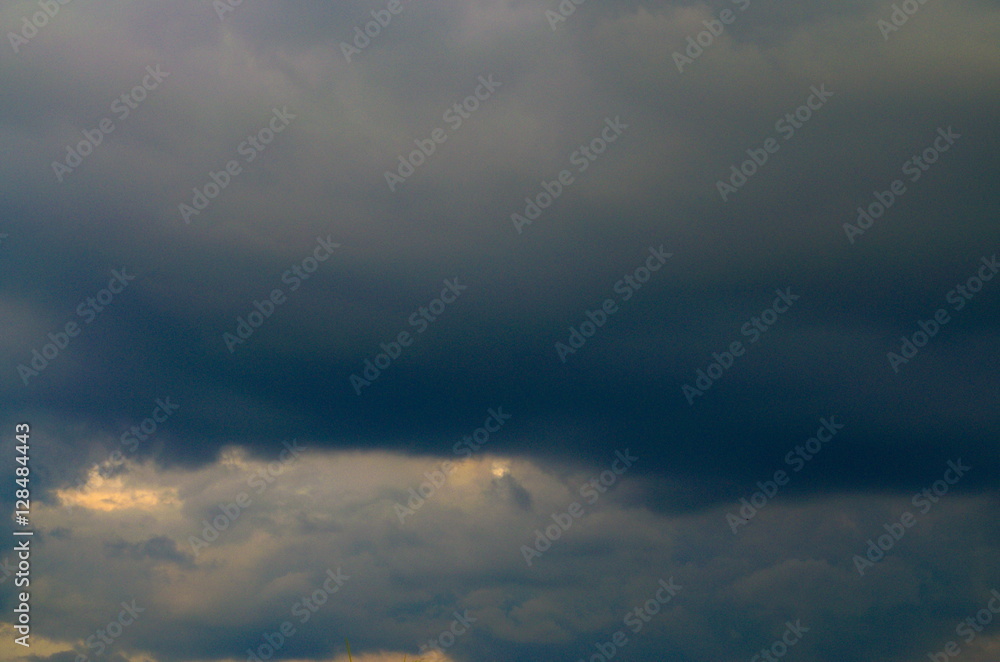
(656, 186)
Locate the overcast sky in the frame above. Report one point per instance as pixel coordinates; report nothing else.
(475, 322)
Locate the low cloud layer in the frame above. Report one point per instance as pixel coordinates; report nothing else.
(229, 552)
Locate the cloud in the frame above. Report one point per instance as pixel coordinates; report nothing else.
(371, 493)
(461, 552)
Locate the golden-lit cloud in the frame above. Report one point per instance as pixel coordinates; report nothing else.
(111, 494)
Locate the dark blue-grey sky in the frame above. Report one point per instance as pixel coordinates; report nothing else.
(358, 211)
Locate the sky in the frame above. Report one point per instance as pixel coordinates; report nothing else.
(483, 331)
